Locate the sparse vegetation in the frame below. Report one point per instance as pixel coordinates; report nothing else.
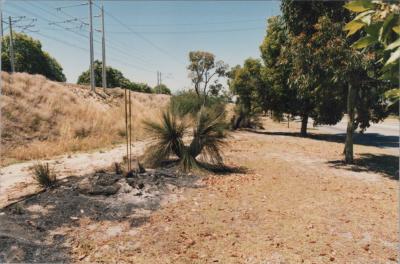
(44, 176)
(41, 118)
(283, 194)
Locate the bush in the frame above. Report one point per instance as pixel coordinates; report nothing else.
(161, 89)
(207, 138)
(188, 102)
(45, 177)
(243, 118)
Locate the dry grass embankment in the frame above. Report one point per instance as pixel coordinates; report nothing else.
(42, 118)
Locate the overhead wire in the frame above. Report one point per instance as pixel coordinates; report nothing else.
(143, 38)
(191, 31)
(86, 37)
(113, 47)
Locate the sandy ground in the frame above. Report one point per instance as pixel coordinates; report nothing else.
(292, 201)
(16, 180)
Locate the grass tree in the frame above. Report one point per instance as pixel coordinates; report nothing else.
(207, 138)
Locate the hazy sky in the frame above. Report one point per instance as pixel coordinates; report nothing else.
(144, 37)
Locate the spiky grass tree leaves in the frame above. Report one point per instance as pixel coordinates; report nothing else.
(208, 136)
(168, 135)
(207, 139)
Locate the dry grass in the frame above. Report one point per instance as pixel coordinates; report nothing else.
(290, 207)
(41, 118)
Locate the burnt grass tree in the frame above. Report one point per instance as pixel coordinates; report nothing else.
(44, 176)
(207, 138)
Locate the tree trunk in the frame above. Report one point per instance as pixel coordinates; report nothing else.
(348, 148)
(304, 122)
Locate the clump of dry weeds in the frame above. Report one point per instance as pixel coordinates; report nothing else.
(42, 118)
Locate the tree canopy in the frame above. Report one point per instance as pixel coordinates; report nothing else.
(312, 70)
(115, 78)
(202, 69)
(161, 89)
(379, 22)
(29, 57)
(301, 16)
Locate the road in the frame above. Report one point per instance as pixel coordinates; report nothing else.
(384, 134)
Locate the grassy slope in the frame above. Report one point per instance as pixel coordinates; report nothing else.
(41, 118)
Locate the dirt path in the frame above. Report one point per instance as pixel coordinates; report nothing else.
(16, 180)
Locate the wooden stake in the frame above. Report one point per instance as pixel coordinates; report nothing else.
(130, 130)
(126, 130)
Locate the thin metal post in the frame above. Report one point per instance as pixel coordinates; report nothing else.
(130, 130)
(11, 46)
(1, 24)
(104, 80)
(92, 80)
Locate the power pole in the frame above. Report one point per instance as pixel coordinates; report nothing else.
(160, 78)
(11, 46)
(104, 80)
(92, 80)
(1, 25)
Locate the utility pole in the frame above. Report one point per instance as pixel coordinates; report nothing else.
(92, 80)
(103, 39)
(160, 78)
(11, 46)
(1, 25)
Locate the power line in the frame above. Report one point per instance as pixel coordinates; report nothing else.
(47, 20)
(61, 41)
(62, 7)
(198, 24)
(73, 19)
(120, 50)
(142, 37)
(190, 31)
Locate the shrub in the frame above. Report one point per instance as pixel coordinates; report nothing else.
(45, 177)
(188, 102)
(161, 89)
(243, 118)
(207, 138)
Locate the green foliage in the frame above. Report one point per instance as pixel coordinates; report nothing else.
(208, 136)
(161, 89)
(207, 139)
(202, 69)
(282, 96)
(379, 22)
(115, 78)
(188, 103)
(169, 135)
(45, 177)
(310, 65)
(29, 57)
(252, 92)
(301, 16)
(140, 87)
